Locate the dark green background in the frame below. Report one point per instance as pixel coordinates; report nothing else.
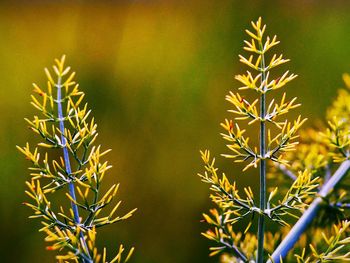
(155, 74)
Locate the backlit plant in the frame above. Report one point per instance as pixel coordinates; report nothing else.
(310, 169)
(67, 161)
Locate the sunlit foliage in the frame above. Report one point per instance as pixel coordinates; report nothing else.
(66, 160)
(308, 175)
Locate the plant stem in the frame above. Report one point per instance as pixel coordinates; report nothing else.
(307, 217)
(286, 171)
(262, 206)
(67, 163)
(236, 251)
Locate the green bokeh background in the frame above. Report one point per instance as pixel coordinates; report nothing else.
(155, 74)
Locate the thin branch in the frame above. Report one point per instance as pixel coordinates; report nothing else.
(236, 251)
(286, 171)
(67, 163)
(262, 206)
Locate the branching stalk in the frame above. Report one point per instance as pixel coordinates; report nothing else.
(65, 152)
(65, 125)
(261, 223)
(233, 207)
(236, 251)
(67, 164)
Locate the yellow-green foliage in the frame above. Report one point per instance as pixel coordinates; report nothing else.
(333, 246)
(67, 160)
(262, 83)
(329, 239)
(338, 133)
(297, 169)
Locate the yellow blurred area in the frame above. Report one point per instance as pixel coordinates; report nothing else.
(155, 74)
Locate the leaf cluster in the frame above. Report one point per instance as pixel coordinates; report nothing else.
(280, 146)
(67, 131)
(263, 83)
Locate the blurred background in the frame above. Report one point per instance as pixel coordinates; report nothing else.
(155, 74)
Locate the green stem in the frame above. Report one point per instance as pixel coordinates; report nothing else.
(68, 166)
(262, 204)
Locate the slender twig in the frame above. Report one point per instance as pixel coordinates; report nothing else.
(304, 221)
(65, 152)
(286, 171)
(235, 200)
(235, 250)
(262, 205)
(67, 164)
(340, 205)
